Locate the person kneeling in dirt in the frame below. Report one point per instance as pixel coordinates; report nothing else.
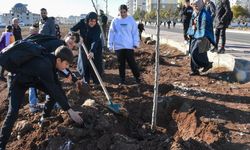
(201, 31)
(43, 78)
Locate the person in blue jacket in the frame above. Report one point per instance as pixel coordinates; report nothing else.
(201, 31)
(90, 32)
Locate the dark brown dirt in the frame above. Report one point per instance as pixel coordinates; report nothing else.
(210, 111)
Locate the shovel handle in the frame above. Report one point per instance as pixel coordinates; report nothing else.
(97, 74)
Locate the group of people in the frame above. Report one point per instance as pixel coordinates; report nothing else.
(56, 56)
(123, 38)
(12, 33)
(199, 19)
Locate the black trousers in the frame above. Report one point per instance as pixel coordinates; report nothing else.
(220, 32)
(16, 98)
(198, 60)
(2, 72)
(88, 72)
(128, 55)
(140, 32)
(185, 29)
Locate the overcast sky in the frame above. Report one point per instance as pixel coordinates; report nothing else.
(63, 8)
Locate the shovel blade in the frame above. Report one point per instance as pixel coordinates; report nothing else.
(114, 107)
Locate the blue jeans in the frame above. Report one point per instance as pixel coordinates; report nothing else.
(33, 97)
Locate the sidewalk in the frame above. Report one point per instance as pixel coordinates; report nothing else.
(236, 57)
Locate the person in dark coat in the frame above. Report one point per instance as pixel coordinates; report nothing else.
(222, 20)
(140, 28)
(17, 32)
(186, 15)
(210, 8)
(104, 21)
(169, 23)
(44, 78)
(90, 32)
(47, 24)
(174, 22)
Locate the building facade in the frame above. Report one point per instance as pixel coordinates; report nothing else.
(21, 12)
(130, 4)
(140, 4)
(165, 4)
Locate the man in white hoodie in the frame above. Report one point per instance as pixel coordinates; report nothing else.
(124, 38)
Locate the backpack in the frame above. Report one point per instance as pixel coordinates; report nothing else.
(50, 43)
(18, 53)
(38, 38)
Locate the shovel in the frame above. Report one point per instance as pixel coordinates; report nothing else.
(110, 105)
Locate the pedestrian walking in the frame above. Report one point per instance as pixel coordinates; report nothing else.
(223, 18)
(140, 28)
(186, 15)
(169, 23)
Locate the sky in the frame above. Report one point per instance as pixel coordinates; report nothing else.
(63, 8)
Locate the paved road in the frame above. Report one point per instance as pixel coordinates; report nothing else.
(231, 36)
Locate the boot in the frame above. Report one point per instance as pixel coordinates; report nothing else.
(215, 49)
(221, 51)
(209, 66)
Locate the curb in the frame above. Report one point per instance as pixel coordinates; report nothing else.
(219, 60)
(237, 31)
(239, 66)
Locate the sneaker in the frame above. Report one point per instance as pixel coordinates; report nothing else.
(195, 73)
(185, 42)
(215, 49)
(221, 51)
(122, 82)
(57, 106)
(3, 79)
(36, 108)
(43, 122)
(209, 66)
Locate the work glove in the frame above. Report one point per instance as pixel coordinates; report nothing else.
(75, 115)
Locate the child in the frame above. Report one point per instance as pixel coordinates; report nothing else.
(43, 78)
(50, 43)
